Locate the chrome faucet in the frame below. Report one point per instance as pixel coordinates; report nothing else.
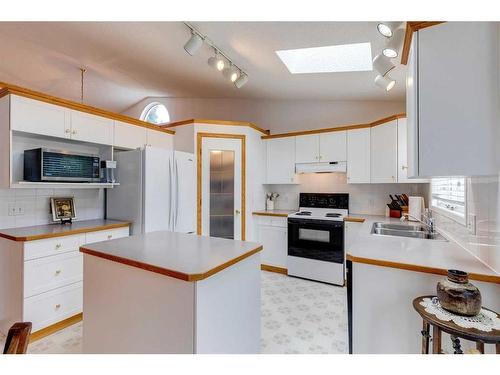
(429, 220)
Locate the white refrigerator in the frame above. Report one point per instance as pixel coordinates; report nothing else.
(157, 191)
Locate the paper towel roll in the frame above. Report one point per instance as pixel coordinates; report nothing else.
(416, 207)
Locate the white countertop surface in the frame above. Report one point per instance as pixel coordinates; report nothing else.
(187, 257)
(428, 254)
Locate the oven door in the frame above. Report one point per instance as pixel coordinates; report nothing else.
(316, 239)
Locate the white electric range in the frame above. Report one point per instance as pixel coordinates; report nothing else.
(316, 237)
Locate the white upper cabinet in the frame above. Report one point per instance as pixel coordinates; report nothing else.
(333, 146)
(384, 153)
(403, 153)
(458, 100)
(160, 139)
(129, 136)
(307, 148)
(358, 156)
(280, 160)
(91, 128)
(323, 147)
(33, 116)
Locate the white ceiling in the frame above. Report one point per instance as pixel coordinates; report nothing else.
(127, 62)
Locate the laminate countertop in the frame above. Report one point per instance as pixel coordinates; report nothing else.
(413, 254)
(187, 257)
(38, 232)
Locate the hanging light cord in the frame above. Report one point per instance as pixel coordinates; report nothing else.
(207, 40)
(82, 73)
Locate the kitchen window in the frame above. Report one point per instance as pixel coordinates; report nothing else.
(155, 113)
(449, 197)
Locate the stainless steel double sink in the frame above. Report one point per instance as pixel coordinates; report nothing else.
(402, 230)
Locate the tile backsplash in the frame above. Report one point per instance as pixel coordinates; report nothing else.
(368, 199)
(482, 201)
(89, 204)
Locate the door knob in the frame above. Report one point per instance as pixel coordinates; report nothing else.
(237, 212)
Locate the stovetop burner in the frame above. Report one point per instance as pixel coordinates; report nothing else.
(333, 214)
(304, 213)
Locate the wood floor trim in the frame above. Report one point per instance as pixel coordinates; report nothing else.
(44, 332)
(266, 267)
(413, 267)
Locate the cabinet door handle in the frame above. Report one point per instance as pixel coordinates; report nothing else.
(57, 306)
(110, 236)
(58, 246)
(67, 131)
(74, 132)
(404, 167)
(58, 272)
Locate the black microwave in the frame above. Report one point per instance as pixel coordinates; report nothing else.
(43, 164)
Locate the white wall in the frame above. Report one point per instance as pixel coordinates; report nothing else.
(483, 201)
(367, 199)
(89, 204)
(277, 115)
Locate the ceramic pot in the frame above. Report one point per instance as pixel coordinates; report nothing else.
(457, 295)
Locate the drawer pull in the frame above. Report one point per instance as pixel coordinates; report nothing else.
(110, 236)
(58, 306)
(58, 272)
(58, 246)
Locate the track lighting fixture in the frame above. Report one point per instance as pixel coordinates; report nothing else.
(219, 61)
(241, 81)
(231, 73)
(394, 44)
(385, 82)
(382, 64)
(387, 28)
(193, 44)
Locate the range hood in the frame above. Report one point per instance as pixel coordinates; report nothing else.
(327, 167)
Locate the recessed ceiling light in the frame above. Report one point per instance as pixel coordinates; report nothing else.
(341, 58)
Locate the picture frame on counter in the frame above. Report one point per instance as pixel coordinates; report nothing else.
(63, 209)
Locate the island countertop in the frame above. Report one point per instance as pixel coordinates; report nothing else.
(186, 257)
(38, 232)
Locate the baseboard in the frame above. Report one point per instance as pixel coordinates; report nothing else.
(44, 332)
(265, 267)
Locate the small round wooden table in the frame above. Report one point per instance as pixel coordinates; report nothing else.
(455, 331)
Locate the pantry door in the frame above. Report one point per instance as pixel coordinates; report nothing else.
(221, 185)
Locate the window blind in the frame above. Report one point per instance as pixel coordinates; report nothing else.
(448, 195)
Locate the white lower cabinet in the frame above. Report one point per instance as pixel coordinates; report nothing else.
(272, 233)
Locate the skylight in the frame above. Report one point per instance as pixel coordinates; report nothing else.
(329, 59)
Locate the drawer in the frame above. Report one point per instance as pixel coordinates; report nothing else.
(273, 221)
(44, 274)
(106, 235)
(51, 307)
(52, 246)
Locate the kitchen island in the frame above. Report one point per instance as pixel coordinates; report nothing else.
(168, 292)
(385, 274)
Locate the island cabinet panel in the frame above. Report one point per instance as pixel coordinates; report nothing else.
(33, 116)
(90, 128)
(333, 146)
(129, 136)
(272, 233)
(307, 148)
(358, 156)
(227, 310)
(280, 160)
(456, 82)
(159, 139)
(384, 153)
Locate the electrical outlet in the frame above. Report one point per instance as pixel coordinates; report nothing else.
(471, 224)
(16, 209)
(11, 209)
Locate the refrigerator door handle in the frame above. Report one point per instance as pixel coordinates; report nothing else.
(170, 193)
(176, 193)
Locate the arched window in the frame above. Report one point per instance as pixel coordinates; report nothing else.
(155, 113)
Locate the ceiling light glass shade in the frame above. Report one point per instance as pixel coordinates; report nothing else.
(387, 28)
(386, 83)
(193, 44)
(394, 44)
(382, 64)
(241, 81)
(231, 73)
(217, 62)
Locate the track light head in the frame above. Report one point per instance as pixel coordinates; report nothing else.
(387, 28)
(382, 64)
(231, 73)
(394, 44)
(217, 62)
(241, 81)
(193, 44)
(385, 82)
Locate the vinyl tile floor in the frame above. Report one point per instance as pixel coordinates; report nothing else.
(298, 317)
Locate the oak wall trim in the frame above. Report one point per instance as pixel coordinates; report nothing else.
(7, 89)
(338, 128)
(411, 27)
